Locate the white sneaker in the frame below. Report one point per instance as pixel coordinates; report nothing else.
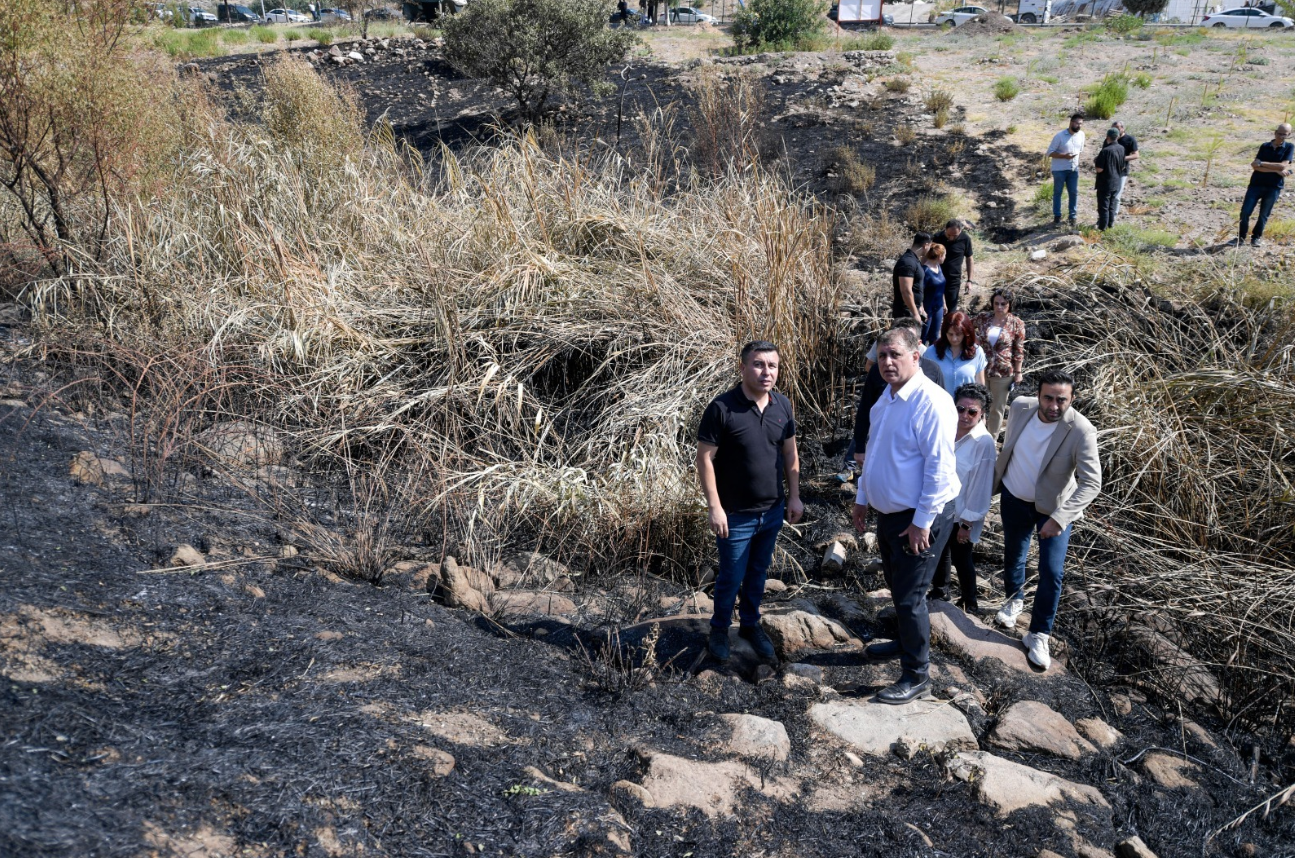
(1036, 650)
(1009, 612)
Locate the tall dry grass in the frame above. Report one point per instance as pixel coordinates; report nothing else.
(536, 334)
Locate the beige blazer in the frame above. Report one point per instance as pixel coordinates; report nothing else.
(1072, 472)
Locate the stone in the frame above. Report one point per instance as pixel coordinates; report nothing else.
(808, 671)
(1067, 242)
(693, 603)
(186, 555)
(753, 736)
(1169, 771)
(356, 56)
(334, 51)
(89, 469)
(1133, 847)
(535, 569)
(254, 591)
(834, 557)
(241, 443)
(508, 603)
(798, 630)
(773, 585)
(971, 639)
(712, 788)
(460, 586)
(1180, 674)
(1200, 734)
(874, 728)
(406, 574)
(1100, 733)
(1122, 705)
(632, 791)
(1048, 853)
(762, 673)
(1031, 726)
(1006, 786)
(1038, 255)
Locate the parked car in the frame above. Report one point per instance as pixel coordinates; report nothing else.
(200, 17)
(961, 15)
(286, 16)
(382, 13)
(230, 13)
(334, 16)
(689, 15)
(1247, 18)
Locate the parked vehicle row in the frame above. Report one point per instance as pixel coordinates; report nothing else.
(237, 13)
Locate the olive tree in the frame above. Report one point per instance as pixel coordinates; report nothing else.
(535, 49)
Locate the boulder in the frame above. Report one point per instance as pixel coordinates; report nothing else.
(241, 443)
(1007, 786)
(1031, 726)
(532, 568)
(1067, 242)
(513, 603)
(89, 469)
(798, 630)
(1100, 733)
(460, 586)
(1170, 771)
(969, 638)
(1133, 847)
(773, 585)
(874, 728)
(753, 736)
(1038, 255)
(187, 555)
(712, 788)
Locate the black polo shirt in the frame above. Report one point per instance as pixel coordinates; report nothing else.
(1272, 154)
(956, 250)
(1130, 144)
(907, 265)
(748, 463)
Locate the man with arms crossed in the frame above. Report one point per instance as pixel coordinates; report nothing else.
(1064, 150)
(1048, 474)
(746, 442)
(909, 475)
(1271, 167)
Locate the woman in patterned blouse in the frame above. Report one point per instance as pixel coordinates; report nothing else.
(1002, 335)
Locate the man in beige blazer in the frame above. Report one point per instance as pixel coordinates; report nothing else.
(1047, 474)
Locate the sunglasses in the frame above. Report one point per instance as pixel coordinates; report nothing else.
(962, 409)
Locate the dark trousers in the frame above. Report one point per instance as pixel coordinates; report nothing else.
(1265, 199)
(952, 289)
(909, 578)
(958, 556)
(1107, 197)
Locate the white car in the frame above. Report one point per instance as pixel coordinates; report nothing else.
(961, 15)
(201, 17)
(1248, 18)
(689, 15)
(286, 16)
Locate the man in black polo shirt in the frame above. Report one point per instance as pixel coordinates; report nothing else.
(1107, 165)
(907, 279)
(957, 248)
(745, 444)
(1129, 144)
(1271, 167)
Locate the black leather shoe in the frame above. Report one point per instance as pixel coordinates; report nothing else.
(883, 651)
(904, 691)
(718, 644)
(759, 642)
(937, 596)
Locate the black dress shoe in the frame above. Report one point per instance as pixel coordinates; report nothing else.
(904, 691)
(759, 642)
(718, 644)
(883, 651)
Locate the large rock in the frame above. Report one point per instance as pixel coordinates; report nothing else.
(461, 586)
(1133, 847)
(1179, 673)
(89, 469)
(753, 736)
(1170, 771)
(1098, 732)
(1031, 726)
(971, 639)
(712, 788)
(532, 569)
(241, 443)
(795, 631)
(875, 727)
(515, 603)
(1007, 786)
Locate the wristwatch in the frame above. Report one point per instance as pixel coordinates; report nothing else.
(962, 525)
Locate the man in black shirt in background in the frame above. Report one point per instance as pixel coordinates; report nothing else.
(1129, 144)
(745, 445)
(907, 279)
(957, 247)
(1108, 164)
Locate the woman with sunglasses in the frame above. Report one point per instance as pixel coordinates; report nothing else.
(975, 451)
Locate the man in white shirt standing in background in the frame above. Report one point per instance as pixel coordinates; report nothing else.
(909, 475)
(1048, 473)
(1064, 150)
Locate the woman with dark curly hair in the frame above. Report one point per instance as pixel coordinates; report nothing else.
(974, 449)
(1003, 336)
(959, 357)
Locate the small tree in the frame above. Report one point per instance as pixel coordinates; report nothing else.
(776, 24)
(1143, 8)
(534, 49)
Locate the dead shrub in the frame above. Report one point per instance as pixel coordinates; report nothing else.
(898, 85)
(852, 176)
(727, 119)
(905, 134)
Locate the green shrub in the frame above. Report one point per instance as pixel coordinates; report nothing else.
(323, 35)
(776, 25)
(264, 35)
(293, 35)
(1131, 239)
(898, 84)
(1141, 80)
(930, 214)
(235, 37)
(874, 41)
(1124, 24)
(1006, 88)
(939, 99)
(1041, 202)
(1112, 92)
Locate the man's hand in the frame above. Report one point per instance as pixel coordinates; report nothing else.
(1050, 529)
(964, 535)
(858, 460)
(795, 510)
(859, 515)
(919, 538)
(719, 522)
(921, 313)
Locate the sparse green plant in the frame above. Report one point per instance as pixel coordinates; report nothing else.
(235, 37)
(905, 59)
(1011, 129)
(1211, 149)
(292, 35)
(898, 84)
(426, 33)
(323, 35)
(877, 40)
(1124, 24)
(523, 789)
(1141, 80)
(930, 213)
(1050, 79)
(264, 35)
(1041, 202)
(1006, 88)
(938, 99)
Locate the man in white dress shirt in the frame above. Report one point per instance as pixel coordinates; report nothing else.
(909, 475)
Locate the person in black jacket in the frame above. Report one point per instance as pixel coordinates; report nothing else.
(1109, 165)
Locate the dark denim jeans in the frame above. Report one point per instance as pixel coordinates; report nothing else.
(934, 321)
(744, 559)
(909, 578)
(1020, 522)
(1265, 199)
(1069, 181)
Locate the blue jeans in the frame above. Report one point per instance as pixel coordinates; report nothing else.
(1069, 180)
(1265, 198)
(1020, 522)
(744, 559)
(934, 319)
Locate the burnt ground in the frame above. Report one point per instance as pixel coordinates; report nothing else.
(264, 707)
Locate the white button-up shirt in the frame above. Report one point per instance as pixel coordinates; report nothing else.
(910, 463)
